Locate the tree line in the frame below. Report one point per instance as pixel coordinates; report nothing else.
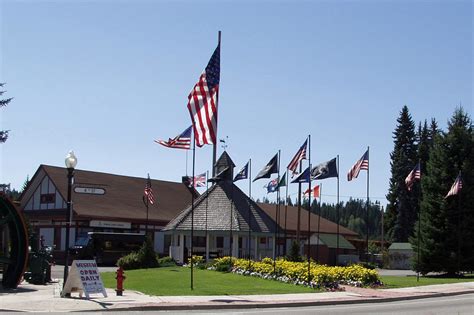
(446, 235)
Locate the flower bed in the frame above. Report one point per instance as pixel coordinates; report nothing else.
(320, 276)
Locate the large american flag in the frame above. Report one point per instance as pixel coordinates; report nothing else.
(148, 191)
(300, 155)
(202, 103)
(361, 164)
(414, 174)
(181, 141)
(456, 188)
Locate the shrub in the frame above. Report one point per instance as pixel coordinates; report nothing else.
(144, 258)
(166, 262)
(196, 261)
(130, 261)
(224, 263)
(294, 254)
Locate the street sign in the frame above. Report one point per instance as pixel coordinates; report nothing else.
(84, 277)
(89, 190)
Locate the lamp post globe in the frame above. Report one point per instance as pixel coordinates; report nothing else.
(71, 162)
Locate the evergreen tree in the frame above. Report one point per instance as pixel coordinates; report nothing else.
(446, 223)
(3, 102)
(401, 209)
(25, 184)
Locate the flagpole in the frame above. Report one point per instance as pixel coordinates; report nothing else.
(192, 212)
(337, 213)
(319, 220)
(186, 163)
(147, 201)
(383, 246)
(309, 211)
(367, 214)
(286, 211)
(298, 227)
(231, 241)
(250, 208)
(207, 204)
(214, 146)
(459, 228)
(276, 215)
(419, 226)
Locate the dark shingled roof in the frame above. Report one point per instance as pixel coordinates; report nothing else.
(218, 199)
(326, 226)
(123, 197)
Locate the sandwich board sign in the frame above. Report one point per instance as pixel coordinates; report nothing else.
(84, 277)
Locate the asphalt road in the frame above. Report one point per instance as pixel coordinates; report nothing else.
(461, 304)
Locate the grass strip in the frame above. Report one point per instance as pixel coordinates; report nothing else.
(391, 282)
(175, 281)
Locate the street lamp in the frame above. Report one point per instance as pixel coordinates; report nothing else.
(71, 162)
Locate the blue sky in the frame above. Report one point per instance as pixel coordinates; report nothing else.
(107, 78)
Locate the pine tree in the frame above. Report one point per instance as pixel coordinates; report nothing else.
(446, 223)
(4, 102)
(401, 211)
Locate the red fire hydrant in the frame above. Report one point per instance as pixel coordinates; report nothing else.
(120, 277)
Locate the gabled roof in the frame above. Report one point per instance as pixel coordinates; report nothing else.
(225, 160)
(400, 246)
(330, 240)
(122, 198)
(217, 204)
(326, 226)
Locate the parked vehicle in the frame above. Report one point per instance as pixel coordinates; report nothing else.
(106, 247)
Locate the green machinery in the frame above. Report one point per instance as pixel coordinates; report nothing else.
(14, 243)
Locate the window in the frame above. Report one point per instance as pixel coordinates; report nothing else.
(199, 241)
(219, 242)
(48, 198)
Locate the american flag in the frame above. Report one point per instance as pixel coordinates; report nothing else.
(202, 102)
(361, 164)
(300, 155)
(456, 188)
(181, 141)
(414, 174)
(148, 191)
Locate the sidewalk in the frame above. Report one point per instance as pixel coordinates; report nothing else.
(46, 298)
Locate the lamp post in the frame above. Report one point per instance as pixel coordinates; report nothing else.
(71, 162)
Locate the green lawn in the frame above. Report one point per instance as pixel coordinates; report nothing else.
(176, 281)
(410, 281)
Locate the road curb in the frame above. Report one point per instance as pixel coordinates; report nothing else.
(239, 305)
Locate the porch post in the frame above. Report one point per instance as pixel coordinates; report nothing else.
(207, 247)
(256, 248)
(273, 246)
(181, 248)
(235, 246)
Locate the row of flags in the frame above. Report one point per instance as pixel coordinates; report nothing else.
(323, 170)
(202, 106)
(415, 174)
